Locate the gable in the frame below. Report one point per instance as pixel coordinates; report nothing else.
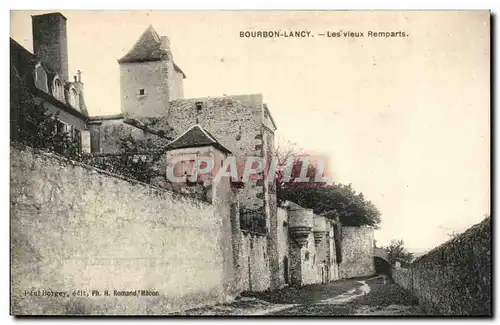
(196, 136)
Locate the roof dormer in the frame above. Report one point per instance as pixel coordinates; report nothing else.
(58, 89)
(74, 97)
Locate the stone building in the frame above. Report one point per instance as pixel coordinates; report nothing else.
(305, 243)
(152, 92)
(313, 257)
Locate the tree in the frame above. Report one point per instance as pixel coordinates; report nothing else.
(396, 252)
(333, 200)
(453, 234)
(288, 170)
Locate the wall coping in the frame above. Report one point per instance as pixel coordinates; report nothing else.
(55, 156)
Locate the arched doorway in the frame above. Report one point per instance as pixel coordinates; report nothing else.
(382, 266)
(285, 268)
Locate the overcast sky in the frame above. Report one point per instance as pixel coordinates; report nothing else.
(405, 120)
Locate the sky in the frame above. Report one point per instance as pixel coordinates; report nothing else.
(406, 120)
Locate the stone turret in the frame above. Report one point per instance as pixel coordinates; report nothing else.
(149, 77)
(300, 223)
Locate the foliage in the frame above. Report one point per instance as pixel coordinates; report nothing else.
(338, 200)
(397, 252)
(335, 200)
(31, 124)
(338, 242)
(288, 169)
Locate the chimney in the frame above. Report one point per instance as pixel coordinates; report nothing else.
(165, 43)
(50, 42)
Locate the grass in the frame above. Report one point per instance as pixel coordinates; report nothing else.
(390, 294)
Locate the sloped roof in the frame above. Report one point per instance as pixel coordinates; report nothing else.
(24, 62)
(196, 136)
(147, 48)
(293, 206)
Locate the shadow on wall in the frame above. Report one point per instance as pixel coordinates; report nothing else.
(178, 252)
(382, 266)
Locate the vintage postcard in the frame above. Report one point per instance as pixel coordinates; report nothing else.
(249, 163)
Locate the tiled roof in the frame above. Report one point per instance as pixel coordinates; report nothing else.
(147, 48)
(196, 136)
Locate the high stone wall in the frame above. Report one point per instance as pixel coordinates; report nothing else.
(357, 252)
(235, 121)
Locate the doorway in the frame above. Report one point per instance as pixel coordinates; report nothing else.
(285, 266)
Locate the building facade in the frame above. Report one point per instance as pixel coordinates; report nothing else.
(44, 75)
(271, 246)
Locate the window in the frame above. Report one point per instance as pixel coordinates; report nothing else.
(74, 98)
(199, 106)
(57, 90)
(142, 92)
(59, 127)
(184, 168)
(62, 128)
(253, 221)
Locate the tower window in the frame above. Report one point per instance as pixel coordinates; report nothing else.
(199, 106)
(142, 92)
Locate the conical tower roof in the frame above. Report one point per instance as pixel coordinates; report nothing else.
(148, 48)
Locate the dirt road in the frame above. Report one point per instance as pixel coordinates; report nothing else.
(354, 297)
